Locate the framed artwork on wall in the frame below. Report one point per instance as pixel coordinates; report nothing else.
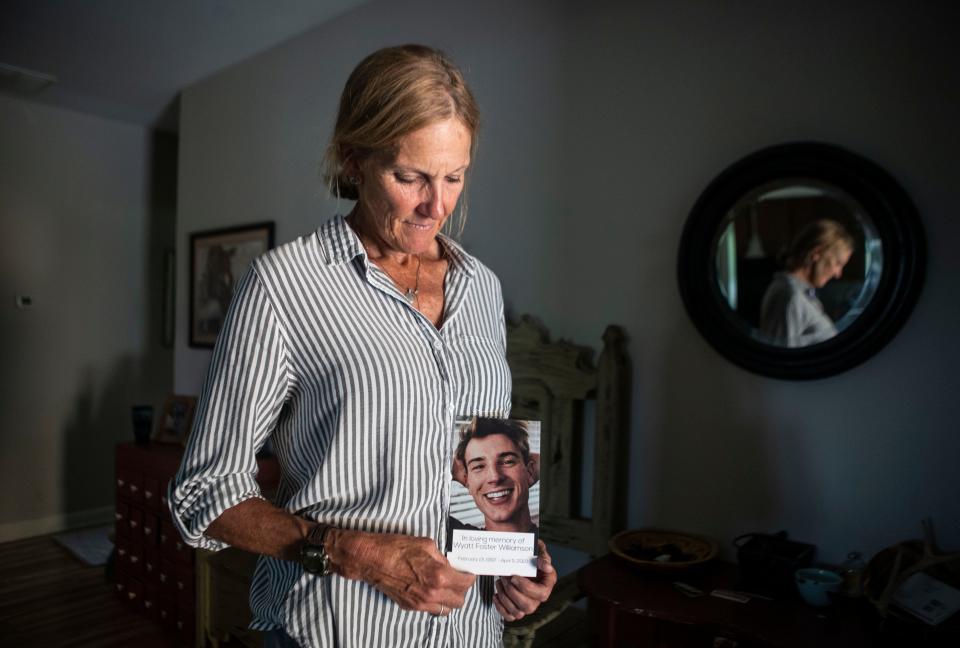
(175, 420)
(218, 258)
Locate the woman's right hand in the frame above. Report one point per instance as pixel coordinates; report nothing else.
(408, 569)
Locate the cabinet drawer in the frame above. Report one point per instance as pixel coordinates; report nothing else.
(135, 487)
(164, 502)
(151, 566)
(123, 555)
(168, 536)
(135, 560)
(121, 584)
(122, 516)
(172, 546)
(123, 482)
(135, 522)
(168, 575)
(186, 621)
(129, 485)
(151, 493)
(151, 602)
(167, 611)
(182, 552)
(184, 581)
(135, 594)
(151, 529)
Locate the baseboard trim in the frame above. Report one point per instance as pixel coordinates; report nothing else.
(55, 523)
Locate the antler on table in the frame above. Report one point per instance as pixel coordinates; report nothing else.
(909, 558)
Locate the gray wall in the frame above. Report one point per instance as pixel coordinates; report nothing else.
(603, 122)
(82, 220)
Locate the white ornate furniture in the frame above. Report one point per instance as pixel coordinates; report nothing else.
(554, 382)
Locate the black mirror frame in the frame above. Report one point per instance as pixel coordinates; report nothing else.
(898, 227)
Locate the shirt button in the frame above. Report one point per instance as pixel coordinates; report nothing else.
(437, 344)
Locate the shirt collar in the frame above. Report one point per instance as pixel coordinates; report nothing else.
(459, 259)
(801, 285)
(340, 244)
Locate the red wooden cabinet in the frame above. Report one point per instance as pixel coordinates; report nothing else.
(154, 566)
(141, 473)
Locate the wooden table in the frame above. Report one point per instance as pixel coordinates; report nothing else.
(630, 608)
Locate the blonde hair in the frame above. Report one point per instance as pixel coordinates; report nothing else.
(815, 237)
(390, 94)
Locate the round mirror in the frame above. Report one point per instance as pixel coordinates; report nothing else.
(801, 260)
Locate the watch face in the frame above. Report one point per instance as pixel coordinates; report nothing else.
(314, 560)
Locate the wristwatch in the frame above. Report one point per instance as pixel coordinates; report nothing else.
(313, 556)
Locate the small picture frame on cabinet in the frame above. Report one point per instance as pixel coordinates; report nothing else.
(175, 420)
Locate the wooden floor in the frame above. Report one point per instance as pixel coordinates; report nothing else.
(50, 599)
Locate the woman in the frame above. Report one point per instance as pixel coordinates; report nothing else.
(355, 350)
(790, 314)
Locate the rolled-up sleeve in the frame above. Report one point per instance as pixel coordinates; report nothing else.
(239, 406)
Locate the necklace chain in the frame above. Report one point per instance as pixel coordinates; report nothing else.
(412, 294)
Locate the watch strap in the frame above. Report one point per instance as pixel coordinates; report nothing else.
(313, 553)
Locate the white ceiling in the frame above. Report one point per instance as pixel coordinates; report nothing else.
(129, 59)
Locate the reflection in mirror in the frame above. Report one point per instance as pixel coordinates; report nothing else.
(737, 239)
(797, 260)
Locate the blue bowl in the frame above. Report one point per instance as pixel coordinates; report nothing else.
(816, 585)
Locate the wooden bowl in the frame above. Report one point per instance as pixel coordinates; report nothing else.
(662, 550)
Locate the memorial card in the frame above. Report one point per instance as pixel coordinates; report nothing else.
(495, 497)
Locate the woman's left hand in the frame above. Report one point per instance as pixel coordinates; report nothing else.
(518, 596)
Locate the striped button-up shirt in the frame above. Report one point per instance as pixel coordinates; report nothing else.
(358, 393)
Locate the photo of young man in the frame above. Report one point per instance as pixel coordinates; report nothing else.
(493, 461)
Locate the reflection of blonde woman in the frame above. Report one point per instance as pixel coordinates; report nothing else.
(791, 315)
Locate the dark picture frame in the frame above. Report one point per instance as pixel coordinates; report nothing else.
(218, 258)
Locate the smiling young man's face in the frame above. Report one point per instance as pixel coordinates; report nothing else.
(500, 482)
